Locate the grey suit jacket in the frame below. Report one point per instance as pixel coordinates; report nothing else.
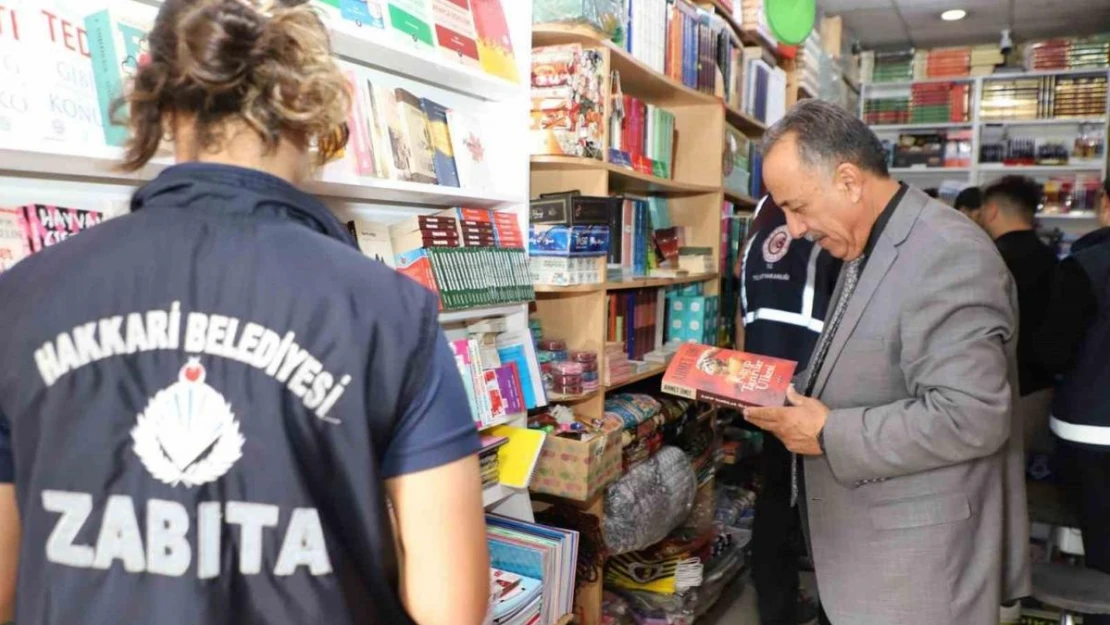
(917, 511)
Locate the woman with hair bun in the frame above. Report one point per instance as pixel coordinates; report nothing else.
(217, 410)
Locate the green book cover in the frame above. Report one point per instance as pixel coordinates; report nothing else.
(117, 42)
(411, 19)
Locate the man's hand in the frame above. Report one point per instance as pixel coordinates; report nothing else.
(797, 425)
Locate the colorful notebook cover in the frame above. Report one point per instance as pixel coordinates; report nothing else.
(495, 46)
(519, 456)
(727, 377)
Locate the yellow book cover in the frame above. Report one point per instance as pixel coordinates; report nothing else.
(518, 457)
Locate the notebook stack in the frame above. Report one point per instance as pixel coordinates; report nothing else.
(516, 599)
(424, 231)
(491, 468)
(547, 555)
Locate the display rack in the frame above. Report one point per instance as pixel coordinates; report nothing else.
(578, 314)
(978, 172)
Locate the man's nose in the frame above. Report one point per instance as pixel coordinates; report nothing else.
(794, 225)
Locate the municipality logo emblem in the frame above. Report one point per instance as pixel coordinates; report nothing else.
(188, 435)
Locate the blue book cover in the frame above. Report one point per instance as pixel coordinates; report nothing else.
(446, 173)
(517, 354)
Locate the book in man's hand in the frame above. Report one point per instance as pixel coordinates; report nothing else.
(728, 378)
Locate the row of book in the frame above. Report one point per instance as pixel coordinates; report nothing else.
(31, 228)
(642, 136)
(454, 227)
(533, 571)
(498, 367)
(1045, 97)
(489, 462)
(397, 135)
(635, 318)
(470, 277)
(1069, 53)
(473, 33)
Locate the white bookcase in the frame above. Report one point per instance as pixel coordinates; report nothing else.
(1063, 130)
(81, 174)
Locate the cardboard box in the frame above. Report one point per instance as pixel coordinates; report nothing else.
(578, 470)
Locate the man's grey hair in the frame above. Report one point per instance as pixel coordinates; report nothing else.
(827, 135)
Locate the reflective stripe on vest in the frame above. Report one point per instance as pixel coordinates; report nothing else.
(804, 318)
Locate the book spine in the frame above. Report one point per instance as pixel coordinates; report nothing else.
(481, 392)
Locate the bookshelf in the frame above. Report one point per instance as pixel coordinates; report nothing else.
(579, 314)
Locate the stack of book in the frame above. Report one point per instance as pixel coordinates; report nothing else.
(696, 260)
(764, 91)
(617, 368)
(491, 467)
(470, 277)
(938, 103)
(548, 555)
(32, 228)
(636, 319)
(984, 59)
(499, 370)
(516, 599)
(810, 55)
(644, 240)
(886, 111)
(893, 66)
(755, 20)
(568, 106)
(642, 137)
(948, 63)
(1077, 53)
(424, 231)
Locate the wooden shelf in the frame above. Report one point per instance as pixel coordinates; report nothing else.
(638, 283)
(98, 164)
(636, 78)
(620, 177)
(570, 399)
(566, 620)
(744, 123)
(643, 375)
(470, 314)
(746, 201)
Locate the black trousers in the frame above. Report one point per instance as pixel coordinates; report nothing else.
(1087, 473)
(775, 538)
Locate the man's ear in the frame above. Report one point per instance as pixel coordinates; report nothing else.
(849, 179)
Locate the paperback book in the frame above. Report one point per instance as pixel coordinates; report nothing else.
(728, 378)
(396, 136)
(117, 40)
(446, 173)
(415, 122)
(495, 46)
(45, 225)
(470, 151)
(455, 31)
(367, 13)
(13, 243)
(412, 21)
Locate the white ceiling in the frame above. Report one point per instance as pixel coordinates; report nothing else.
(896, 23)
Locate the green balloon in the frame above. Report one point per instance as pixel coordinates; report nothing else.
(791, 20)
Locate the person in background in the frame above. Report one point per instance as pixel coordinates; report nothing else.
(969, 200)
(913, 493)
(216, 409)
(1007, 213)
(785, 286)
(1075, 341)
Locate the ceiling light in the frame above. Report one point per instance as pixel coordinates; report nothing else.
(952, 15)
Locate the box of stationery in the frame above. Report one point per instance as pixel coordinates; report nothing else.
(578, 460)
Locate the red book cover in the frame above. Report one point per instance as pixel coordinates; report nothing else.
(495, 46)
(482, 215)
(455, 30)
(726, 377)
(418, 266)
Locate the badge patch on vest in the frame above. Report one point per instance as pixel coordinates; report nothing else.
(188, 435)
(777, 245)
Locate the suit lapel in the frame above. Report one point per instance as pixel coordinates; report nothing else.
(882, 259)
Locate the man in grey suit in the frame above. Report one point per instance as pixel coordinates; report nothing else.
(913, 492)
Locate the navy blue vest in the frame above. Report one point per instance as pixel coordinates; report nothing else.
(1082, 398)
(785, 289)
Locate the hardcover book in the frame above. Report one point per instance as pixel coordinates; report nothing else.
(117, 40)
(412, 21)
(469, 149)
(13, 244)
(455, 31)
(446, 173)
(495, 46)
(45, 225)
(726, 377)
(423, 167)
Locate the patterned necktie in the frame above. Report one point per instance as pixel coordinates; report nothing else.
(851, 278)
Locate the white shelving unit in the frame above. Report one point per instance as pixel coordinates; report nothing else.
(84, 175)
(982, 173)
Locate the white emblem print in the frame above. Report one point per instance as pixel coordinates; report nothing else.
(187, 434)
